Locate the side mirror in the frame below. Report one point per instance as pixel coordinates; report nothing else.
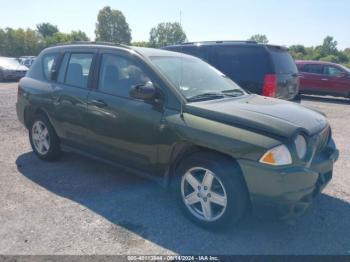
(143, 91)
(343, 74)
(297, 99)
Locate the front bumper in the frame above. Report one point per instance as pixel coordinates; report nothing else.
(287, 192)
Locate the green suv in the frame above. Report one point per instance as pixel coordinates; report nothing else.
(178, 120)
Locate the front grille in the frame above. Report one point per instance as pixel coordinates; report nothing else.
(323, 139)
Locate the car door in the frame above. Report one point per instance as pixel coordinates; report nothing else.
(70, 97)
(336, 80)
(123, 129)
(311, 79)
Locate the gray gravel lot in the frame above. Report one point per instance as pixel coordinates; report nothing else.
(78, 206)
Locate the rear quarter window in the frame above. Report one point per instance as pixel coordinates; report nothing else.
(283, 61)
(197, 51)
(49, 62)
(243, 64)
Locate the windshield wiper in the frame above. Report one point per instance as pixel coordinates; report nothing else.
(233, 92)
(206, 96)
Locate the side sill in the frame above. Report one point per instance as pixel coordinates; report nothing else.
(121, 167)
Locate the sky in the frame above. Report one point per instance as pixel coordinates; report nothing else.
(284, 22)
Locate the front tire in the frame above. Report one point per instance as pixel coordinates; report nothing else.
(211, 190)
(43, 139)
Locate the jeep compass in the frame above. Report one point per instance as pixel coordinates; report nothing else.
(176, 119)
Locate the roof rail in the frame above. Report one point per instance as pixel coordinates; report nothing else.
(220, 42)
(91, 43)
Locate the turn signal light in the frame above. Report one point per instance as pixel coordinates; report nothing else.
(277, 156)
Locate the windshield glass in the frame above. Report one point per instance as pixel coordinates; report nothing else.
(345, 68)
(194, 78)
(9, 62)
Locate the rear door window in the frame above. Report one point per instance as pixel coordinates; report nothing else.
(283, 61)
(241, 63)
(312, 69)
(78, 70)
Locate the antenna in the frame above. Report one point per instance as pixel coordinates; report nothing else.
(181, 17)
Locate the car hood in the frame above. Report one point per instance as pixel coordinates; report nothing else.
(267, 115)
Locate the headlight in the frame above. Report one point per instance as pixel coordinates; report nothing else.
(277, 156)
(301, 146)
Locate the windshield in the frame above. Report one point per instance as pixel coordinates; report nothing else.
(195, 78)
(9, 62)
(345, 68)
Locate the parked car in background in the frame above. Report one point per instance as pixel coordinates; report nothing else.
(11, 69)
(176, 119)
(267, 70)
(324, 78)
(26, 60)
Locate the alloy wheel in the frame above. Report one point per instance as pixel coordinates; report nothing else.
(204, 194)
(41, 138)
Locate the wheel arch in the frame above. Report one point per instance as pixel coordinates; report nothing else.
(184, 150)
(30, 112)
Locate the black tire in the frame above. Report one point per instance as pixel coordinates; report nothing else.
(230, 177)
(2, 79)
(54, 152)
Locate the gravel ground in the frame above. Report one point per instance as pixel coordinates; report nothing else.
(77, 206)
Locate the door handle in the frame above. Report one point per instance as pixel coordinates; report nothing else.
(324, 79)
(98, 103)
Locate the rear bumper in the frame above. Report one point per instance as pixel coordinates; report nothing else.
(288, 192)
(20, 112)
(12, 75)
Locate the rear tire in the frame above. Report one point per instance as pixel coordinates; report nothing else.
(210, 190)
(43, 139)
(2, 76)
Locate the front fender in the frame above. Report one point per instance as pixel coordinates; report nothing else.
(224, 138)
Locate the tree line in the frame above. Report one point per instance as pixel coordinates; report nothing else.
(111, 26)
(328, 51)
(18, 42)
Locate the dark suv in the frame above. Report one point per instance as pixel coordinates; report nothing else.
(267, 70)
(176, 119)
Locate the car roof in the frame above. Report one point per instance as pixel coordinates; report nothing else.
(227, 43)
(314, 62)
(152, 52)
(144, 51)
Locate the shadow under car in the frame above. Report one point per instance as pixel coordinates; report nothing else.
(146, 209)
